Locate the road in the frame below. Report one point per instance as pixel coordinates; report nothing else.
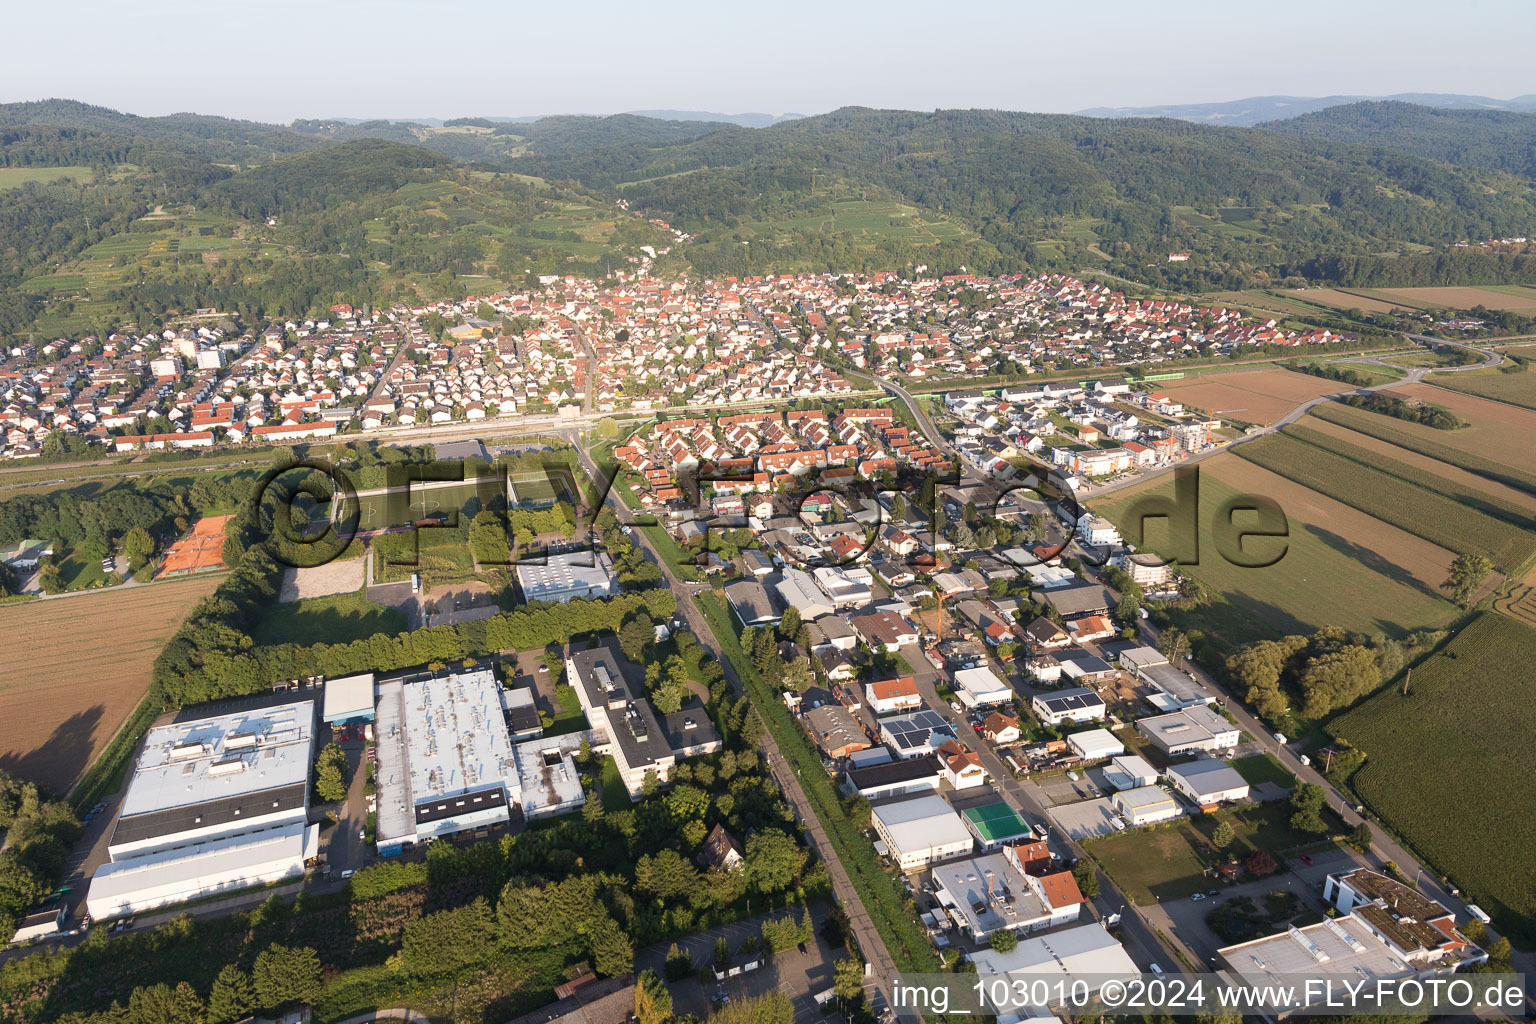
(882, 967)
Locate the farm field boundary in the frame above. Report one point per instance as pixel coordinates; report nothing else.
(1449, 763)
(1426, 514)
(1383, 428)
(1518, 389)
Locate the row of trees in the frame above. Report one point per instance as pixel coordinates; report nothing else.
(38, 834)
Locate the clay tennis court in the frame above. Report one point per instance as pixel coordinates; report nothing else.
(1259, 396)
(200, 550)
(87, 666)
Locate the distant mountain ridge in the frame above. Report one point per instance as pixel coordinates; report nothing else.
(1495, 140)
(751, 119)
(1252, 110)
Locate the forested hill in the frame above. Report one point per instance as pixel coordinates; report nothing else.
(1121, 193)
(1498, 140)
(214, 138)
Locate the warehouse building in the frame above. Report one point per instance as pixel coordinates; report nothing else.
(995, 825)
(988, 894)
(1145, 805)
(214, 804)
(916, 734)
(1208, 783)
(569, 576)
(920, 831)
(445, 758)
(798, 589)
(893, 779)
(1095, 744)
(1129, 771)
(1086, 952)
(750, 602)
(348, 699)
(980, 687)
(1189, 729)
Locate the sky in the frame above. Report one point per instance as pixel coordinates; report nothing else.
(278, 60)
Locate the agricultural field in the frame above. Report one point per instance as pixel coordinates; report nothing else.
(339, 619)
(66, 699)
(15, 177)
(1272, 304)
(1409, 465)
(1428, 442)
(1339, 299)
(1513, 298)
(1510, 388)
(1340, 565)
(1450, 765)
(1495, 430)
(1258, 396)
(1407, 504)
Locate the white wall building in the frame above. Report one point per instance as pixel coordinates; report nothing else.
(1189, 729)
(920, 831)
(568, 576)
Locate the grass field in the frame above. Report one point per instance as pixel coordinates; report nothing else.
(1512, 388)
(87, 665)
(1407, 504)
(14, 177)
(1451, 767)
(1256, 396)
(1427, 442)
(1340, 299)
(1513, 298)
(327, 620)
(1340, 565)
(1257, 768)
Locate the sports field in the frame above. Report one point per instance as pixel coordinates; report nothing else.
(199, 550)
(86, 667)
(1255, 396)
(1340, 565)
(1450, 766)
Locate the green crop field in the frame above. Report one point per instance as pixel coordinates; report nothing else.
(14, 177)
(327, 620)
(1340, 566)
(1436, 518)
(1513, 388)
(1479, 499)
(1384, 428)
(1451, 768)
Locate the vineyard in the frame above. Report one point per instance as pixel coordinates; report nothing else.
(1450, 766)
(1383, 429)
(1425, 514)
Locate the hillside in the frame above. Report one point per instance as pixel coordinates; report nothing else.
(1254, 110)
(1495, 140)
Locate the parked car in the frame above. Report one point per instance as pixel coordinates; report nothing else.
(1198, 896)
(1305, 859)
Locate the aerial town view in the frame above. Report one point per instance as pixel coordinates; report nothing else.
(1020, 533)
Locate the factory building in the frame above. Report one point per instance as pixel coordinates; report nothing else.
(213, 805)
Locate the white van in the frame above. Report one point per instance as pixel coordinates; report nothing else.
(1155, 969)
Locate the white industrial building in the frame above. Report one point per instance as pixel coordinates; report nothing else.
(1208, 782)
(920, 831)
(1189, 729)
(348, 699)
(445, 758)
(798, 589)
(1085, 952)
(1145, 805)
(987, 894)
(214, 804)
(980, 687)
(847, 586)
(1129, 771)
(1095, 744)
(568, 576)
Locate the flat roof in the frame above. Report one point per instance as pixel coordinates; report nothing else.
(923, 822)
(1195, 724)
(456, 739)
(1085, 950)
(894, 772)
(176, 874)
(1094, 743)
(348, 697)
(572, 570)
(982, 683)
(600, 674)
(989, 892)
(1208, 775)
(1073, 699)
(1145, 797)
(227, 758)
(550, 780)
(915, 730)
(1334, 946)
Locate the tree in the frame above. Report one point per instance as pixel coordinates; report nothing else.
(789, 624)
(1173, 644)
(638, 632)
(770, 1008)
(161, 1004)
(1224, 835)
(1500, 954)
(774, 861)
(284, 974)
(848, 978)
(331, 774)
(1307, 803)
(607, 427)
(1260, 864)
(679, 963)
(138, 546)
(1085, 877)
(1004, 941)
(653, 1001)
(1361, 837)
(1467, 573)
(232, 998)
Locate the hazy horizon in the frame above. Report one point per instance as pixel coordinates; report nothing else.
(474, 58)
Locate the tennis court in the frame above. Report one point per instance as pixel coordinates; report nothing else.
(199, 550)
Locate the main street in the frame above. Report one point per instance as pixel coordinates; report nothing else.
(882, 966)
